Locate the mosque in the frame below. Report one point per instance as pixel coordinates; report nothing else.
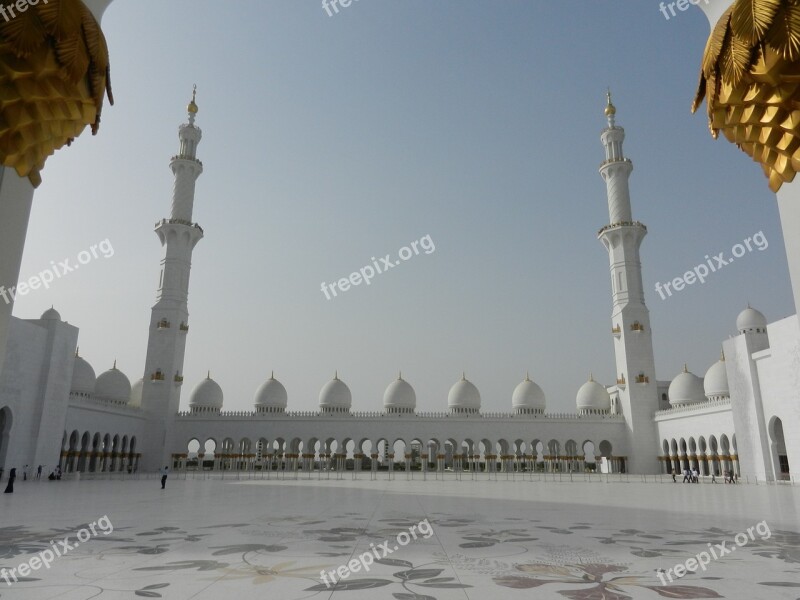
(744, 415)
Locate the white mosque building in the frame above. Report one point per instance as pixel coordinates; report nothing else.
(744, 415)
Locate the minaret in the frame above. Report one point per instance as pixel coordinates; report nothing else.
(169, 320)
(630, 319)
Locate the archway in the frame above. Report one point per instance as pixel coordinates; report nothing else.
(780, 458)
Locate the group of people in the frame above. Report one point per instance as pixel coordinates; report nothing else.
(12, 476)
(56, 475)
(693, 476)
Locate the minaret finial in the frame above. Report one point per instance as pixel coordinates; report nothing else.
(272, 375)
(399, 375)
(115, 364)
(463, 375)
(685, 368)
(591, 376)
(527, 375)
(336, 374)
(611, 110)
(192, 108)
(209, 374)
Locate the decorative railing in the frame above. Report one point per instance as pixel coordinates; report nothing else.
(179, 222)
(684, 408)
(623, 224)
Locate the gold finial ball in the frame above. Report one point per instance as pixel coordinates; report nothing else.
(610, 108)
(192, 108)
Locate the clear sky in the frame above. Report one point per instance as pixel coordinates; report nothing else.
(330, 140)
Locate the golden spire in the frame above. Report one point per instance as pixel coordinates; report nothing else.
(610, 108)
(192, 108)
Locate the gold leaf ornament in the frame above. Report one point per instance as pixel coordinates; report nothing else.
(750, 79)
(54, 77)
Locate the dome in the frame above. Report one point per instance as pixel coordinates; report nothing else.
(207, 394)
(686, 388)
(113, 385)
(464, 396)
(136, 394)
(51, 314)
(593, 397)
(271, 395)
(528, 396)
(335, 396)
(83, 377)
(751, 320)
(399, 396)
(716, 380)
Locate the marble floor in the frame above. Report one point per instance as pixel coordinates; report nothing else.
(205, 539)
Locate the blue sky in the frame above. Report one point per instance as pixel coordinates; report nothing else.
(330, 140)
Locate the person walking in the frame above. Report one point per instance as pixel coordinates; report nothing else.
(25, 473)
(673, 477)
(164, 473)
(696, 475)
(11, 477)
(39, 472)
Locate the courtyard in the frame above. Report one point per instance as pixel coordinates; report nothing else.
(207, 538)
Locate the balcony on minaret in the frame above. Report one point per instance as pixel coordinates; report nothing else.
(178, 222)
(163, 324)
(608, 161)
(642, 378)
(621, 381)
(636, 224)
(178, 378)
(157, 376)
(636, 326)
(184, 327)
(616, 331)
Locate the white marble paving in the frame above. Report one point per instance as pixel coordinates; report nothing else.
(211, 539)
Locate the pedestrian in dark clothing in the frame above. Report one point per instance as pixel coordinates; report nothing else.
(164, 473)
(11, 477)
(39, 472)
(673, 477)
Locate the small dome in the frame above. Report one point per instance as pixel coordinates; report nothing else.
(272, 394)
(51, 314)
(464, 396)
(335, 396)
(113, 385)
(83, 377)
(686, 388)
(400, 396)
(207, 394)
(751, 320)
(715, 382)
(528, 396)
(136, 394)
(593, 396)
